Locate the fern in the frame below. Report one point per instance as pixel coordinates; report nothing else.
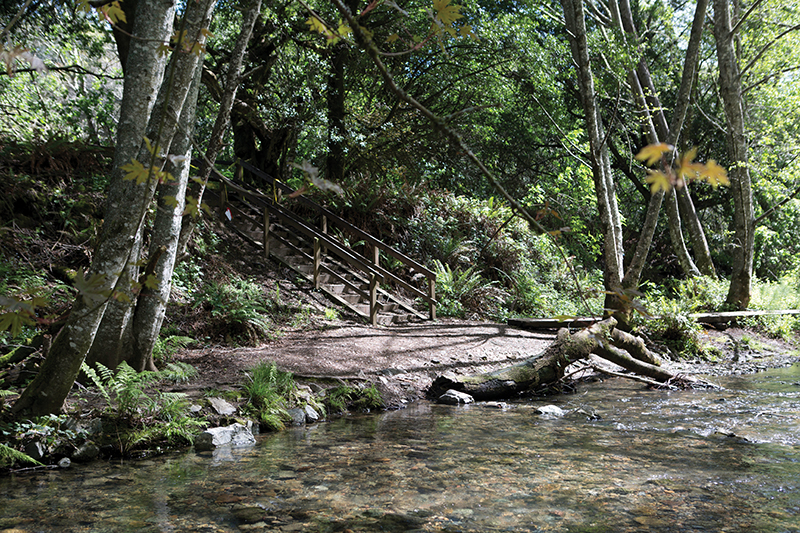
(97, 381)
(9, 456)
(178, 372)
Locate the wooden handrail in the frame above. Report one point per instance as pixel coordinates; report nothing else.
(342, 223)
(292, 219)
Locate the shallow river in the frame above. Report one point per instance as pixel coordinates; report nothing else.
(625, 459)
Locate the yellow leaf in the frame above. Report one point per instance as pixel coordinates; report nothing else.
(466, 31)
(714, 174)
(151, 282)
(171, 201)
(658, 181)
(446, 13)
(392, 38)
(163, 49)
(136, 171)
(651, 154)
(113, 12)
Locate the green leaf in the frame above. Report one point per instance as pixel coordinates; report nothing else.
(91, 288)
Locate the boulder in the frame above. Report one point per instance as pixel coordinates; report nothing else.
(88, 451)
(222, 407)
(298, 416)
(454, 397)
(233, 435)
(311, 414)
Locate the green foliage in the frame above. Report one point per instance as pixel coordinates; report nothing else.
(165, 348)
(125, 390)
(51, 431)
(10, 456)
(269, 391)
(459, 291)
(148, 415)
(342, 398)
(777, 295)
(236, 307)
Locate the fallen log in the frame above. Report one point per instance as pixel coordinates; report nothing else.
(601, 339)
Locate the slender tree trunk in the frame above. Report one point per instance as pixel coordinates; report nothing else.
(233, 79)
(739, 173)
(336, 129)
(601, 165)
(658, 130)
(151, 305)
(123, 222)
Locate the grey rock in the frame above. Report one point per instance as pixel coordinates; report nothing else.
(222, 407)
(64, 462)
(233, 435)
(551, 411)
(496, 405)
(88, 451)
(35, 450)
(311, 415)
(298, 416)
(454, 397)
(195, 409)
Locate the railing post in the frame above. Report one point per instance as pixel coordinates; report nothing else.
(223, 200)
(376, 255)
(266, 232)
(373, 299)
(432, 296)
(317, 261)
(325, 232)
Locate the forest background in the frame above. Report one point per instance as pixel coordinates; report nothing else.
(493, 141)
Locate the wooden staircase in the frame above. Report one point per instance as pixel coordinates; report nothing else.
(307, 246)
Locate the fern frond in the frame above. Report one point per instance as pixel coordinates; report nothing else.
(179, 372)
(9, 456)
(98, 382)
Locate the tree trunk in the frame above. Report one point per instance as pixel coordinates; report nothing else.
(739, 174)
(543, 368)
(601, 165)
(227, 97)
(124, 217)
(151, 305)
(601, 339)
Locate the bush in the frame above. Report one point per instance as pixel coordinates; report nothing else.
(270, 391)
(237, 309)
(142, 415)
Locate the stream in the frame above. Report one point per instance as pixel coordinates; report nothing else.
(624, 459)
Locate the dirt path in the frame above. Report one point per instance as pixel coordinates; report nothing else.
(401, 360)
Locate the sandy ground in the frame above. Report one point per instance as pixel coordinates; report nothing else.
(403, 360)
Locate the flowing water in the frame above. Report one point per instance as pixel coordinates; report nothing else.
(624, 459)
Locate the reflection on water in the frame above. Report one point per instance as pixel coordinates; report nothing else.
(653, 461)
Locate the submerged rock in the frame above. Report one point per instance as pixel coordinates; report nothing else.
(233, 435)
(551, 411)
(454, 397)
(88, 451)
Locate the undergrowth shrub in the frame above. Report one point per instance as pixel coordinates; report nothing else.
(271, 392)
(512, 270)
(144, 415)
(343, 398)
(238, 309)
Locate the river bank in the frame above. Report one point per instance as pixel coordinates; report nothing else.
(400, 361)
